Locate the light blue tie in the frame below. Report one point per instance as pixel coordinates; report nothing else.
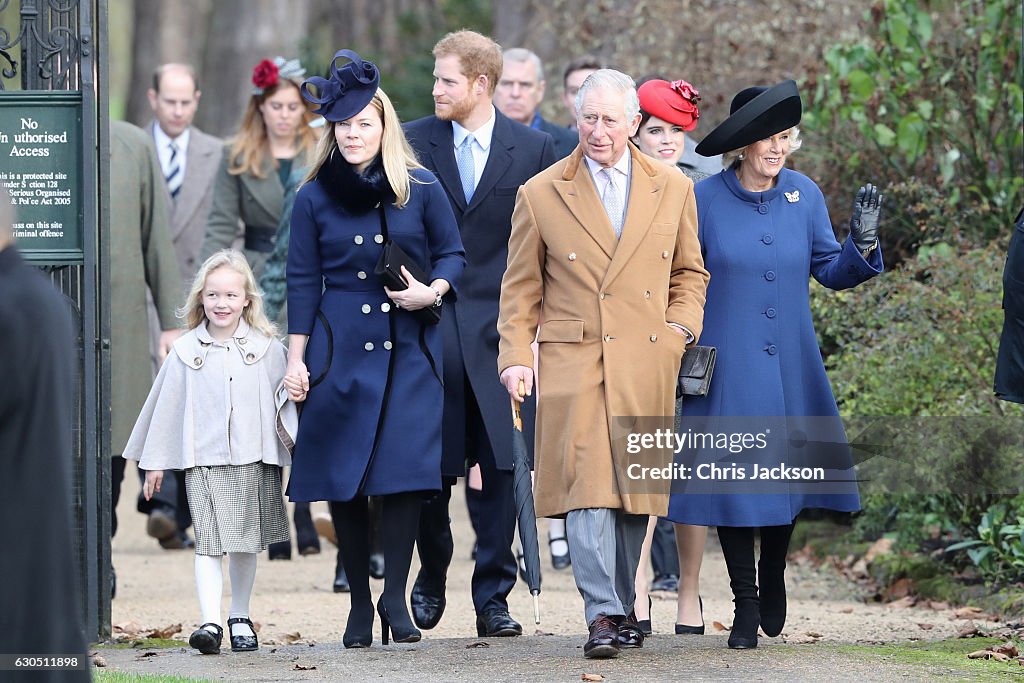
(467, 168)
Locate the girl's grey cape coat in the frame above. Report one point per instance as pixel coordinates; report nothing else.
(188, 420)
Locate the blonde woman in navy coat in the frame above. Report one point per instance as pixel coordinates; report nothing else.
(764, 232)
(369, 372)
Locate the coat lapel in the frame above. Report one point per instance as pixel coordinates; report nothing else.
(498, 159)
(202, 163)
(266, 191)
(580, 196)
(646, 188)
(442, 155)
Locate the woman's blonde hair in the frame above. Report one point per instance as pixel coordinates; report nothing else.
(735, 156)
(193, 312)
(250, 147)
(395, 152)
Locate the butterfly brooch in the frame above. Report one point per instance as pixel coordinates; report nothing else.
(792, 197)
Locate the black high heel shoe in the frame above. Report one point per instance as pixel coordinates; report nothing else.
(645, 624)
(745, 621)
(685, 630)
(409, 634)
(359, 629)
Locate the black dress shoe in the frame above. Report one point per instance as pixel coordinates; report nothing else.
(205, 640)
(559, 561)
(645, 624)
(604, 638)
(162, 525)
(427, 606)
(280, 551)
(630, 633)
(685, 629)
(243, 643)
(665, 582)
(377, 565)
(497, 623)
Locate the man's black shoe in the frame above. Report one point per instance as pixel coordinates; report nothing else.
(665, 582)
(497, 623)
(604, 638)
(427, 606)
(630, 633)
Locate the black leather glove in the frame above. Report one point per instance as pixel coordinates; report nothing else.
(867, 210)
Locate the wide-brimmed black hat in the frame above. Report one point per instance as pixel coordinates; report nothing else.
(755, 114)
(348, 90)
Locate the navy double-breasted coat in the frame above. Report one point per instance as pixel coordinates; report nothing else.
(761, 248)
(350, 440)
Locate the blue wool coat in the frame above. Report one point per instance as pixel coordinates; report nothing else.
(760, 248)
(338, 453)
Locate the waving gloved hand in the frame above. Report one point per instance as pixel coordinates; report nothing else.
(867, 211)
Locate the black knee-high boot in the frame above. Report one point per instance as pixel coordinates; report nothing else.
(306, 538)
(350, 525)
(400, 517)
(738, 547)
(771, 577)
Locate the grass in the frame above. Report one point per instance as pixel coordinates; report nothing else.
(103, 676)
(144, 643)
(950, 655)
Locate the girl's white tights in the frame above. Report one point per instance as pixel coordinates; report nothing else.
(210, 586)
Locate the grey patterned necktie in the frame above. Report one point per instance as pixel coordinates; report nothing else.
(612, 201)
(467, 167)
(174, 175)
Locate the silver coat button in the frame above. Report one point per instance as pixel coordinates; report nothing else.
(365, 308)
(387, 346)
(379, 239)
(647, 294)
(361, 275)
(197, 361)
(664, 254)
(601, 296)
(358, 239)
(572, 255)
(385, 307)
(241, 342)
(654, 337)
(250, 357)
(368, 346)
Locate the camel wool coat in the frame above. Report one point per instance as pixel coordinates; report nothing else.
(606, 351)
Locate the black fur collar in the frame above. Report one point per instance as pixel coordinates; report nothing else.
(357, 192)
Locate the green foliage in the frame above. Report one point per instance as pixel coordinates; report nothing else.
(930, 96)
(998, 550)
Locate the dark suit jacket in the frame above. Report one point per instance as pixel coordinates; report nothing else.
(565, 139)
(470, 324)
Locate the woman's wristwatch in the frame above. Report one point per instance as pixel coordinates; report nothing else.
(438, 300)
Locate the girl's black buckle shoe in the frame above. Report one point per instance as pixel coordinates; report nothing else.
(205, 640)
(243, 643)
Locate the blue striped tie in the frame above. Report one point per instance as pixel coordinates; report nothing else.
(174, 174)
(467, 168)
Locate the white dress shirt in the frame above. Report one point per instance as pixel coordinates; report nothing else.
(163, 149)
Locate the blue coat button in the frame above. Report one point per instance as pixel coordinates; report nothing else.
(762, 209)
(767, 239)
(770, 313)
(771, 349)
(769, 275)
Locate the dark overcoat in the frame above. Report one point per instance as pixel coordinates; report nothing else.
(1009, 383)
(335, 298)
(761, 248)
(39, 594)
(565, 140)
(470, 326)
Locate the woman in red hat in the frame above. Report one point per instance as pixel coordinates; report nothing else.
(668, 110)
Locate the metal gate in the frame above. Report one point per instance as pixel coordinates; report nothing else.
(53, 65)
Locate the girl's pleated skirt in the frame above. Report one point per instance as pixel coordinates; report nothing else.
(236, 508)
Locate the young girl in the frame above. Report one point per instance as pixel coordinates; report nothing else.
(218, 411)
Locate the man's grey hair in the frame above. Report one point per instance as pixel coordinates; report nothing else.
(616, 81)
(521, 54)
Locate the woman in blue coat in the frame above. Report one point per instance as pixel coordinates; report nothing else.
(368, 370)
(764, 230)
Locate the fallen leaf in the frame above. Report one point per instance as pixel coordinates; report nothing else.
(98, 661)
(129, 628)
(718, 626)
(1007, 648)
(150, 653)
(967, 612)
(900, 589)
(291, 638)
(903, 603)
(926, 627)
(988, 654)
(303, 667)
(478, 643)
(538, 632)
(968, 630)
(164, 633)
(882, 546)
(591, 677)
(846, 610)
(813, 634)
(938, 606)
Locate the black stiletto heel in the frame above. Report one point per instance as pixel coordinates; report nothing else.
(411, 635)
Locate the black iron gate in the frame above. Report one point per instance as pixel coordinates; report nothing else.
(53, 65)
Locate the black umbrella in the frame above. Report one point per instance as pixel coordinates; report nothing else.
(526, 514)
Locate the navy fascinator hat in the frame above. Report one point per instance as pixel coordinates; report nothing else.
(348, 90)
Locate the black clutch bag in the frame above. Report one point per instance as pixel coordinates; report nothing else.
(389, 269)
(695, 371)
